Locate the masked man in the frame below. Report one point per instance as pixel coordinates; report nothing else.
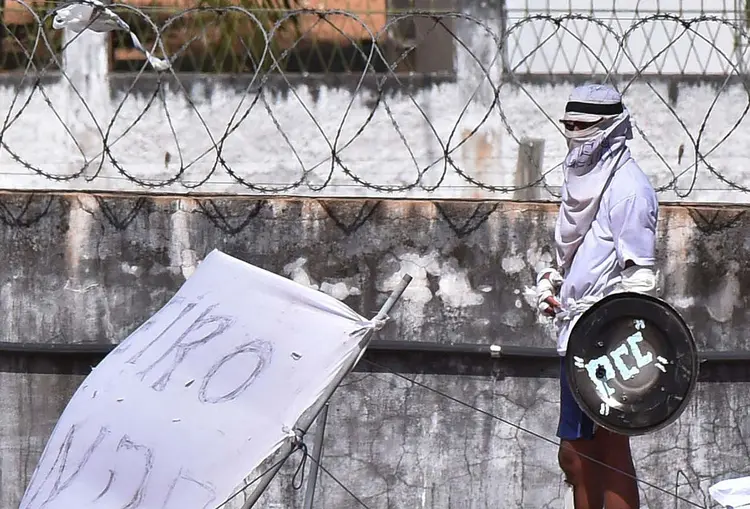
(605, 242)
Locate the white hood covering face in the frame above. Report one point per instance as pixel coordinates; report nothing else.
(593, 156)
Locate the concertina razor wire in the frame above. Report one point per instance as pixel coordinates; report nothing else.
(274, 134)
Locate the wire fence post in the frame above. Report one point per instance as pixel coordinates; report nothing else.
(529, 169)
(741, 11)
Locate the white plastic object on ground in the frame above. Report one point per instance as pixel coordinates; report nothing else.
(732, 493)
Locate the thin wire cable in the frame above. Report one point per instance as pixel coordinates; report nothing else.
(525, 430)
(351, 494)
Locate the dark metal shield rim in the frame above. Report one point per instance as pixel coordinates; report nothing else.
(645, 302)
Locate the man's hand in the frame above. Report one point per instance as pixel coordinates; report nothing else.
(548, 283)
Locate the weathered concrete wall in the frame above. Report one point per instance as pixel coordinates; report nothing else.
(93, 266)
(83, 268)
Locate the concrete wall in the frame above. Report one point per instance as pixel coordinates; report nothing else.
(81, 268)
(452, 136)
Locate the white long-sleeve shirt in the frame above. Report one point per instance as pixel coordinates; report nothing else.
(624, 229)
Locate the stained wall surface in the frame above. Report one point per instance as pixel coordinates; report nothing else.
(82, 268)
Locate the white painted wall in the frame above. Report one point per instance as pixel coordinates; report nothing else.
(398, 143)
(653, 42)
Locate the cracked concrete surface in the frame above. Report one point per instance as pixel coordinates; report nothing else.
(394, 444)
(92, 269)
(397, 445)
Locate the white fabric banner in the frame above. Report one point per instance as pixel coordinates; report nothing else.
(196, 398)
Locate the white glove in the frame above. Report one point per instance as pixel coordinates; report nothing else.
(638, 279)
(548, 284)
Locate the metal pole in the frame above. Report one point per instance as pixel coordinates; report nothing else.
(312, 478)
(307, 419)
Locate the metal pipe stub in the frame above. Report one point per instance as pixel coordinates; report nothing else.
(632, 363)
